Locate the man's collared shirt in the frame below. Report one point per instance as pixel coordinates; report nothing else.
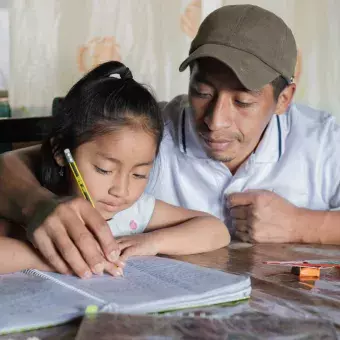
(298, 158)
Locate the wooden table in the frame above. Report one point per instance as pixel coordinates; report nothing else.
(275, 290)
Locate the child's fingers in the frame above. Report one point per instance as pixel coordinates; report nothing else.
(121, 239)
(124, 245)
(119, 263)
(114, 270)
(128, 252)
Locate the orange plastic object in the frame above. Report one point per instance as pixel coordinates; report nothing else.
(306, 271)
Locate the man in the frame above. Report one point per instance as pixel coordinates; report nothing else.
(235, 147)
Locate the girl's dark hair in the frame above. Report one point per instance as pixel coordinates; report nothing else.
(105, 99)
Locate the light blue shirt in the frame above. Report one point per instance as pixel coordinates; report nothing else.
(298, 158)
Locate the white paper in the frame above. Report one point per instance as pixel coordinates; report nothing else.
(150, 284)
(162, 282)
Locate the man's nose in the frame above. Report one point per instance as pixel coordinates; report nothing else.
(220, 115)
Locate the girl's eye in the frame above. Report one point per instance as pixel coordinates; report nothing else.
(102, 171)
(138, 176)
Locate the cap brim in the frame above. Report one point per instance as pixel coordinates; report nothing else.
(250, 70)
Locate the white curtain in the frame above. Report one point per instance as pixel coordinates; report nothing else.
(54, 42)
(4, 46)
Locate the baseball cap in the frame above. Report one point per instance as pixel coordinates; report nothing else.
(255, 43)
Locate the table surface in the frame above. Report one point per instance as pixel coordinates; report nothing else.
(275, 290)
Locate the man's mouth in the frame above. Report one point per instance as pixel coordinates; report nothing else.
(216, 144)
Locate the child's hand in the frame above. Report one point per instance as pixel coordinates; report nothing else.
(134, 245)
(114, 268)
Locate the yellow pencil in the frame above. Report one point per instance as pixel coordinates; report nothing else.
(77, 176)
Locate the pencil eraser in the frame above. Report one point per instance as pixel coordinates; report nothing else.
(306, 271)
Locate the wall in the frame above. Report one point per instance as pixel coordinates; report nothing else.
(54, 42)
(4, 44)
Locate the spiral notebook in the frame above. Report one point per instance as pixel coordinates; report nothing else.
(33, 299)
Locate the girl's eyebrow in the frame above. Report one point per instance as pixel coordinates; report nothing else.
(145, 163)
(108, 157)
(115, 160)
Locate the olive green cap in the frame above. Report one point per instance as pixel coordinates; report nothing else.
(255, 43)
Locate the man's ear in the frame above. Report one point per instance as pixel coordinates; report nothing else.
(285, 98)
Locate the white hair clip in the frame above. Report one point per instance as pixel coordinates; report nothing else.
(115, 75)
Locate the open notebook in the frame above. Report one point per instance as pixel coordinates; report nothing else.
(33, 299)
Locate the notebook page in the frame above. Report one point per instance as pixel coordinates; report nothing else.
(183, 302)
(160, 280)
(28, 302)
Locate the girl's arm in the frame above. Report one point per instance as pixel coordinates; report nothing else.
(17, 255)
(5, 227)
(176, 231)
(179, 231)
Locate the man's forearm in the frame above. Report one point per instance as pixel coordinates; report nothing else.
(20, 191)
(321, 227)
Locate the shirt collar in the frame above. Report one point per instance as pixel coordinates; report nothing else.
(269, 150)
(271, 146)
(189, 141)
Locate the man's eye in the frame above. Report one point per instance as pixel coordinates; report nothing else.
(200, 94)
(242, 104)
(102, 171)
(139, 176)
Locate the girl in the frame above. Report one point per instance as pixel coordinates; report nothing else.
(113, 127)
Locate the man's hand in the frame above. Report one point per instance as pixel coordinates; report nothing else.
(68, 238)
(264, 217)
(137, 245)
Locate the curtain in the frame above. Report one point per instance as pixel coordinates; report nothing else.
(54, 42)
(4, 45)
